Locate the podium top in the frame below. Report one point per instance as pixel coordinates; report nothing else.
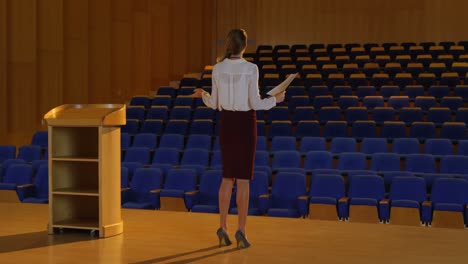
(87, 115)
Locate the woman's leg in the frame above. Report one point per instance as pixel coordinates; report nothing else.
(242, 200)
(225, 192)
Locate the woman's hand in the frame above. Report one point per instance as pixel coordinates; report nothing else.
(197, 93)
(280, 97)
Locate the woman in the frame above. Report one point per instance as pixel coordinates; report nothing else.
(235, 93)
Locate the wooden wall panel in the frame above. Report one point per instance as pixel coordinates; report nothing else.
(161, 42)
(76, 51)
(3, 68)
(50, 54)
(141, 38)
(22, 68)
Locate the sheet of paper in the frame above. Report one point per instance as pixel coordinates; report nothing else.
(282, 86)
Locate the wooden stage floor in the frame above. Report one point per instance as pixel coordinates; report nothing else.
(171, 237)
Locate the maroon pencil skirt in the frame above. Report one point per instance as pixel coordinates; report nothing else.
(238, 140)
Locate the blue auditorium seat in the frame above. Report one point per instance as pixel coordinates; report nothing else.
(205, 200)
(406, 197)
(319, 161)
(195, 159)
(29, 153)
(282, 143)
(335, 129)
(157, 112)
(373, 145)
(199, 142)
(40, 138)
(146, 140)
(165, 159)
(140, 100)
(339, 145)
(144, 189)
(326, 190)
(393, 129)
(258, 188)
(438, 147)
(364, 129)
(178, 183)
(38, 192)
(154, 126)
(405, 146)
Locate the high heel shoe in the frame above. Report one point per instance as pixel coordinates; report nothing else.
(241, 240)
(223, 238)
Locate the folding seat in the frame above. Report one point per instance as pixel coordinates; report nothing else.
(363, 91)
(392, 68)
(124, 177)
(135, 112)
(380, 79)
(375, 51)
(271, 79)
(329, 113)
(29, 153)
(341, 60)
(166, 90)
(146, 140)
(357, 79)
(7, 152)
(258, 188)
(260, 114)
(389, 90)
(452, 102)
(403, 79)
(136, 157)
(144, 189)
(261, 128)
(312, 144)
(414, 51)
(319, 161)
(313, 79)
(426, 79)
(462, 148)
(373, 101)
(203, 112)
(322, 100)
(38, 192)
(216, 162)
(407, 45)
(132, 126)
(262, 159)
(15, 176)
(8, 163)
(420, 163)
(366, 200)
(437, 68)
(393, 129)
(414, 69)
(188, 81)
(287, 160)
(410, 115)
(404, 60)
(385, 162)
(456, 51)
(181, 113)
(278, 113)
(438, 147)
(450, 79)
(439, 115)
(346, 101)
(178, 184)
(364, 129)
(282, 143)
(184, 100)
(339, 145)
(40, 138)
(407, 195)
(309, 69)
(176, 127)
(172, 141)
(325, 192)
(436, 51)
(328, 69)
(454, 164)
(205, 200)
(413, 91)
(382, 114)
(157, 112)
(341, 90)
(140, 100)
(425, 102)
(195, 159)
(463, 58)
(201, 127)
(350, 68)
(423, 130)
(370, 68)
(398, 102)
(439, 91)
(449, 199)
(335, 129)
(352, 161)
(206, 81)
(373, 145)
(424, 59)
(185, 90)
(461, 68)
(446, 44)
(318, 90)
(355, 49)
(462, 91)
(405, 146)
(355, 113)
(199, 142)
(462, 115)
(288, 196)
(295, 91)
(445, 58)
(396, 50)
(454, 131)
(303, 113)
(280, 128)
(153, 126)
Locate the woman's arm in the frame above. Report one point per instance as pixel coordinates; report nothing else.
(209, 100)
(255, 101)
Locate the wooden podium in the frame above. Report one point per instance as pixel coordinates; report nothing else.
(84, 167)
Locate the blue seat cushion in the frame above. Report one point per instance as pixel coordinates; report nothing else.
(7, 186)
(363, 201)
(35, 200)
(448, 207)
(201, 208)
(172, 193)
(281, 212)
(132, 205)
(322, 200)
(405, 203)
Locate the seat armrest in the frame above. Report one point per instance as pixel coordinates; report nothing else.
(124, 189)
(343, 208)
(155, 191)
(303, 205)
(264, 203)
(25, 190)
(192, 192)
(25, 185)
(426, 212)
(384, 210)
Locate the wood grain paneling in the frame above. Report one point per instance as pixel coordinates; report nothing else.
(3, 68)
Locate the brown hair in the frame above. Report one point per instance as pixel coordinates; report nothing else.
(236, 41)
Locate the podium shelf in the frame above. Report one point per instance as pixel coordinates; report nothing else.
(80, 159)
(78, 223)
(76, 191)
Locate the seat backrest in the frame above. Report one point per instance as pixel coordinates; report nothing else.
(438, 146)
(209, 187)
(147, 140)
(166, 156)
(124, 177)
(408, 188)
(368, 186)
(374, 145)
(29, 153)
(199, 141)
(312, 143)
(172, 141)
(181, 179)
(327, 186)
(340, 144)
(137, 154)
(146, 179)
(405, 146)
(7, 152)
(287, 187)
(454, 164)
(424, 163)
(450, 190)
(195, 157)
(19, 174)
(41, 181)
(286, 159)
(385, 162)
(281, 143)
(318, 160)
(352, 161)
(41, 139)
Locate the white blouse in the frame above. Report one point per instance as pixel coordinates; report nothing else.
(235, 87)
